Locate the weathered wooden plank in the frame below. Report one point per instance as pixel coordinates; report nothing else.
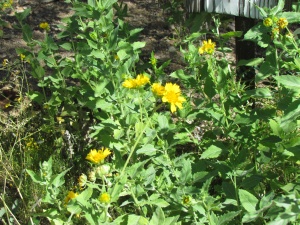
(244, 8)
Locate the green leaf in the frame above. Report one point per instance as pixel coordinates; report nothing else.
(186, 171)
(59, 179)
(158, 217)
(231, 34)
(137, 220)
(35, 178)
(67, 46)
(147, 149)
(163, 122)
(27, 33)
(138, 44)
(22, 15)
(278, 8)
(289, 81)
(248, 200)
(172, 221)
(98, 54)
(209, 87)
(291, 113)
(212, 152)
(250, 62)
(83, 197)
(260, 93)
(292, 17)
(179, 74)
(74, 209)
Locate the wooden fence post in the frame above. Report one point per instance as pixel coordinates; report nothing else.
(245, 50)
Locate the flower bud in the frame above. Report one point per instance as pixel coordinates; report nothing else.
(102, 170)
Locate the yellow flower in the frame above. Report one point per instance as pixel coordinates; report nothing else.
(82, 180)
(104, 198)
(129, 83)
(139, 81)
(207, 47)
(7, 105)
(268, 22)
(71, 195)
(45, 26)
(22, 56)
(282, 23)
(172, 95)
(31, 144)
(60, 120)
(158, 89)
(98, 156)
(5, 62)
(6, 5)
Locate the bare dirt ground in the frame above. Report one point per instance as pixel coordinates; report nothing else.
(159, 35)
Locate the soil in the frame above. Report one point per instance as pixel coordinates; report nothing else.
(159, 35)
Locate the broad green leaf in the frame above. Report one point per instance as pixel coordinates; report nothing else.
(27, 33)
(98, 54)
(278, 8)
(135, 31)
(288, 81)
(212, 152)
(67, 46)
(275, 127)
(260, 93)
(172, 221)
(74, 209)
(158, 202)
(158, 217)
(83, 197)
(250, 62)
(137, 220)
(292, 113)
(209, 87)
(266, 69)
(179, 74)
(147, 149)
(138, 45)
(248, 200)
(292, 17)
(22, 15)
(59, 179)
(213, 219)
(35, 178)
(251, 182)
(163, 122)
(186, 171)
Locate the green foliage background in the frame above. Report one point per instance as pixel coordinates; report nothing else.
(231, 155)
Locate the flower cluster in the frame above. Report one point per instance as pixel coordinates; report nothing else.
(207, 47)
(276, 25)
(139, 81)
(170, 93)
(7, 4)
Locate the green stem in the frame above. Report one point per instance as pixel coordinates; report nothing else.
(133, 148)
